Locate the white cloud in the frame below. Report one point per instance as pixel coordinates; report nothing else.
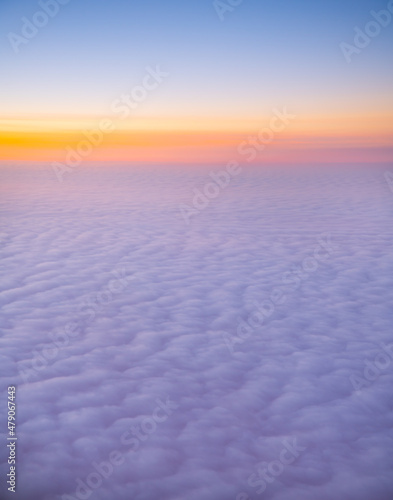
(162, 335)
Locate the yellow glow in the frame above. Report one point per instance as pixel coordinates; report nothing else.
(188, 139)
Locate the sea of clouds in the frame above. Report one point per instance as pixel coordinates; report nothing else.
(246, 354)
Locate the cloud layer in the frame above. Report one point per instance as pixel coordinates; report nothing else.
(160, 337)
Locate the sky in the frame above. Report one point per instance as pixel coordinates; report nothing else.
(226, 71)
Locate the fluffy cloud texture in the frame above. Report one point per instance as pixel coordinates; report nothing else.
(142, 399)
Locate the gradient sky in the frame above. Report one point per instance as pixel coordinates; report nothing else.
(225, 78)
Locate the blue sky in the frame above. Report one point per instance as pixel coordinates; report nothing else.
(261, 55)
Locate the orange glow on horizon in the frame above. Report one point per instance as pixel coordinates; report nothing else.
(187, 140)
